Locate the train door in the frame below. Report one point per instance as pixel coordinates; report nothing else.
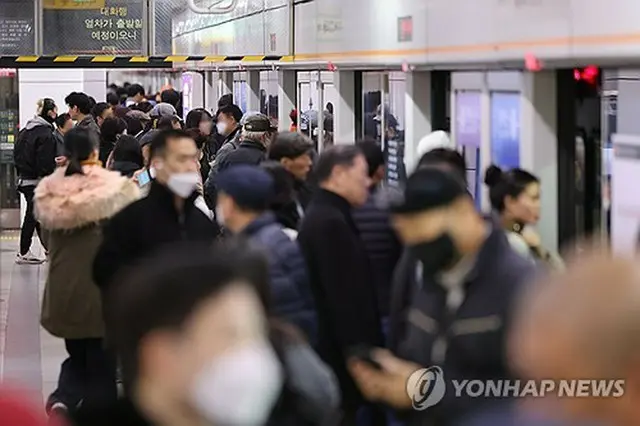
(383, 119)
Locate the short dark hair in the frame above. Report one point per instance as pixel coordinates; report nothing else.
(448, 157)
(80, 100)
(135, 89)
(337, 155)
(502, 184)
(195, 116)
(62, 119)
(166, 123)
(289, 145)
(153, 297)
(127, 148)
(160, 140)
(373, 154)
(225, 100)
(170, 96)
(113, 99)
(111, 128)
(232, 110)
(144, 106)
(100, 108)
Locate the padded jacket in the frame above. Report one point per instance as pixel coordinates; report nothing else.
(291, 295)
(382, 246)
(35, 150)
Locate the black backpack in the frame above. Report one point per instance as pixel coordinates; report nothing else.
(21, 153)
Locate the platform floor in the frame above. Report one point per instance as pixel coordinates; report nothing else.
(29, 356)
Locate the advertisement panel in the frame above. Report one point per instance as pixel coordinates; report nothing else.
(468, 135)
(505, 129)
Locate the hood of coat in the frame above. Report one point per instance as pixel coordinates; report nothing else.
(68, 202)
(37, 121)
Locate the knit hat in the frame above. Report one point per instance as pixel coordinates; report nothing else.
(249, 186)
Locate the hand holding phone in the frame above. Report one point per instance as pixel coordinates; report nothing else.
(143, 178)
(364, 353)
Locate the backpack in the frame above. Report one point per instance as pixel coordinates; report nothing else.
(21, 155)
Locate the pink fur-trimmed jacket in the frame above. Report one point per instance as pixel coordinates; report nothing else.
(72, 209)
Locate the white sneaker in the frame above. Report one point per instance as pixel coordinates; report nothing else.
(28, 259)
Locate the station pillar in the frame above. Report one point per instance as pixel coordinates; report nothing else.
(225, 84)
(253, 91)
(417, 110)
(287, 96)
(344, 117)
(539, 146)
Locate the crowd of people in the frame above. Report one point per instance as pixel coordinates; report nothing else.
(215, 271)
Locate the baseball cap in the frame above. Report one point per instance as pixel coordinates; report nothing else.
(258, 123)
(250, 186)
(427, 188)
(163, 110)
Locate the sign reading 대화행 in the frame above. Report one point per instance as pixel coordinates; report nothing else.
(116, 28)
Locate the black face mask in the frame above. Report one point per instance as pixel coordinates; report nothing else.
(48, 118)
(436, 255)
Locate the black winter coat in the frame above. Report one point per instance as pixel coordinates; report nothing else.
(382, 245)
(248, 152)
(145, 226)
(35, 150)
(342, 283)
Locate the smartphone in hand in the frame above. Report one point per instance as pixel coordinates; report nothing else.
(143, 178)
(364, 353)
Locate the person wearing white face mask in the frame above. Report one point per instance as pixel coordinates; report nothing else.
(207, 354)
(166, 215)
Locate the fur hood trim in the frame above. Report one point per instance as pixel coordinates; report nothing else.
(69, 202)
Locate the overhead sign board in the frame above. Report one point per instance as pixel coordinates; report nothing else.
(17, 32)
(107, 27)
(73, 4)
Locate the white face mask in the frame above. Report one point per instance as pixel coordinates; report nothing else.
(222, 128)
(239, 388)
(183, 184)
(219, 216)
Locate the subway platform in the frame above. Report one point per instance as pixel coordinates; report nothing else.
(30, 357)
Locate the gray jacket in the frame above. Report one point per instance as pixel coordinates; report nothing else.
(90, 124)
(466, 341)
(313, 382)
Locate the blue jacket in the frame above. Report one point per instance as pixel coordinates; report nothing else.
(290, 289)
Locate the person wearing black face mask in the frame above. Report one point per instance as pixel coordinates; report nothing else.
(464, 279)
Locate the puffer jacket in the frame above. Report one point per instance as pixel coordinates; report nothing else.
(382, 245)
(35, 150)
(73, 209)
(291, 295)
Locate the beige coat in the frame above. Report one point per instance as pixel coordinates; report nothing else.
(72, 209)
